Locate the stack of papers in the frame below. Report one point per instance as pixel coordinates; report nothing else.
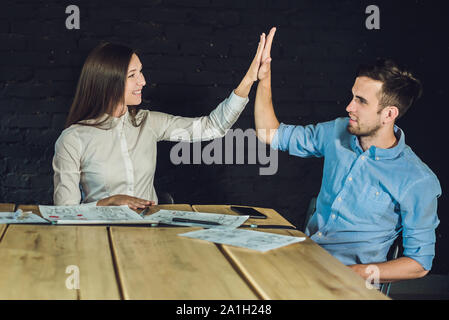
(20, 217)
(75, 215)
(222, 228)
(91, 215)
(256, 240)
(198, 219)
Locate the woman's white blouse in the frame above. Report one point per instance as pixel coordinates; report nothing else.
(120, 158)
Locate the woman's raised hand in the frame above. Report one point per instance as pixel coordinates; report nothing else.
(253, 70)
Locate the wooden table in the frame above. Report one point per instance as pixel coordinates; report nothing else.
(143, 262)
(5, 207)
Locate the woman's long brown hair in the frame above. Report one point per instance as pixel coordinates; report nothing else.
(101, 86)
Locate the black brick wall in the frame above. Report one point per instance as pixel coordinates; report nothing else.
(194, 53)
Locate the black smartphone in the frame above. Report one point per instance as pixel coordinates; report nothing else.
(251, 212)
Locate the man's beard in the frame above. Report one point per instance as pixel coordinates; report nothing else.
(368, 132)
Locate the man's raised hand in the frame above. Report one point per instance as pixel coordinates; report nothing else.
(265, 67)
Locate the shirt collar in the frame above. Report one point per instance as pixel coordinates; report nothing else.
(379, 153)
(107, 121)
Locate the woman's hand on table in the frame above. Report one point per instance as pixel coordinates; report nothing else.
(123, 199)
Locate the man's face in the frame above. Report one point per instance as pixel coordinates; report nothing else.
(365, 117)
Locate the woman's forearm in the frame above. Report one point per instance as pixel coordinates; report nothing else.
(244, 87)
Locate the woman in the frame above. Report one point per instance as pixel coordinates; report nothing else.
(108, 150)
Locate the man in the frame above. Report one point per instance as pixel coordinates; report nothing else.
(374, 186)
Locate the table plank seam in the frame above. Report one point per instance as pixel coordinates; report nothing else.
(118, 278)
(4, 232)
(238, 271)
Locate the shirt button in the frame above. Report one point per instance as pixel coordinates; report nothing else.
(333, 216)
(350, 178)
(377, 193)
(363, 157)
(319, 234)
(377, 158)
(339, 199)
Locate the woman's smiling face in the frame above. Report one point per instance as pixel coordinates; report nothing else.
(135, 81)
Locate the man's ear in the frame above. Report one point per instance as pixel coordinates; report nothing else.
(390, 114)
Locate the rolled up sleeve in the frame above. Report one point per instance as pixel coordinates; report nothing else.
(302, 141)
(420, 219)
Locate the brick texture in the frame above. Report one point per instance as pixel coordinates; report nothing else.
(194, 53)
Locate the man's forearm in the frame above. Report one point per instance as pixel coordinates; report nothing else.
(403, 268)
(265, 118)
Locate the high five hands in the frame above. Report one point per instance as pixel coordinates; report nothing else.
(261, 64)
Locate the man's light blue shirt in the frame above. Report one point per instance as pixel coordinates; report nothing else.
(367, 197)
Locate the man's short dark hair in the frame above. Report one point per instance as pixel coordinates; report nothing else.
(400, 88)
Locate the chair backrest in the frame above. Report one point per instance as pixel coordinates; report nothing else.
(309, 213)
(393, 253)
(165, 198)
